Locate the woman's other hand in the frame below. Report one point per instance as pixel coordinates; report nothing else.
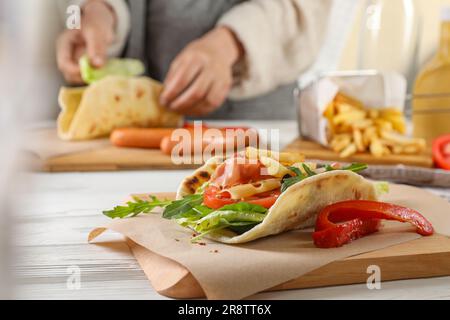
(200, 77)
(94, 37)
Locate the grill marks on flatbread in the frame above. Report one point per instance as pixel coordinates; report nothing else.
(201, 176)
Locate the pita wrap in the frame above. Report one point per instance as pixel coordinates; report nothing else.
(296, 208)
(113, 102)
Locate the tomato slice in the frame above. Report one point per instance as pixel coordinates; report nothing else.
(215, 199)
(266, 202)
(441, 152)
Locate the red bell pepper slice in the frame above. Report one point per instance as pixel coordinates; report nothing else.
(343, 222)
(441, 152)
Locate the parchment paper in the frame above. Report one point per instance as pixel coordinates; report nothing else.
(45, 144)
(237, 271)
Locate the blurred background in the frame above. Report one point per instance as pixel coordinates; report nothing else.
(406, 37)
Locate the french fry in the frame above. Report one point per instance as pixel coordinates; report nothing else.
(358, 140)
(348, 151)
(340, 142)
(399, 124)
(354, 128)
(329, 111)
(390, 112)
(343, 98)
(349, 117)
(345, 108)
(399, 139)
(384, 125)
(369, 134)
(376, 148)
(396, 149)
(362, 124)
(412, 149)
(374, 114)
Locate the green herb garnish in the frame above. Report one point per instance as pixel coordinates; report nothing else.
(138, 206)
(290, 181)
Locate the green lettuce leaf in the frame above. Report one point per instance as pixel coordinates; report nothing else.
(119, 67)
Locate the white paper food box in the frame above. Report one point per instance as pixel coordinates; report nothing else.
(374, 89)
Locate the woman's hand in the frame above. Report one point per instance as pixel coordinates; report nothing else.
(200, 77)
(94, 37)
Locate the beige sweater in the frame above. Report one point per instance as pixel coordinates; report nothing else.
(281, 38)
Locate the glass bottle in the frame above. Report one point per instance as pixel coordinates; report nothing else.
(389, 36)
(431, 99)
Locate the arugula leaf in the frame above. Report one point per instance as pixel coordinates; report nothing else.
(356, 167)
(193, 214)
(175, 208)
(133, 208)
(296, 170)
(290, 181)
(188, 206)
(308, 170)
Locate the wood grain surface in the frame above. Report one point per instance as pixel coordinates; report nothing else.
(313, 150)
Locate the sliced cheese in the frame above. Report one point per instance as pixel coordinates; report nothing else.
(251, 189)
(286, 158)
(274, 168)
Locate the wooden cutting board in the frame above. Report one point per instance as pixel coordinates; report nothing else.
(111, 158)
(51, 154)
(421, 258)
(313, 150)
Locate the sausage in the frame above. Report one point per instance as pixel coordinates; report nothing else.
(139, 137)
(213, 144)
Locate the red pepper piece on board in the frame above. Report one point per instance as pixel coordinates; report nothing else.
(441, 152)
(343, 222)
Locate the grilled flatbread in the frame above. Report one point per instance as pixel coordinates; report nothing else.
(113, 102)
(296, 208)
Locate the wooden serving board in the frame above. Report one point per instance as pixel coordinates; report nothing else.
(313, 150)
(51, 154)
(421, 258)
(111, 159)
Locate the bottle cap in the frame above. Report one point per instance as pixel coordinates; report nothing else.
(445, 13)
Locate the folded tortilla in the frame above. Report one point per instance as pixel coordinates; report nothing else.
(113, 102)
(296, 208)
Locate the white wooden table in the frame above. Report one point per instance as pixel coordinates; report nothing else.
(57, 211)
